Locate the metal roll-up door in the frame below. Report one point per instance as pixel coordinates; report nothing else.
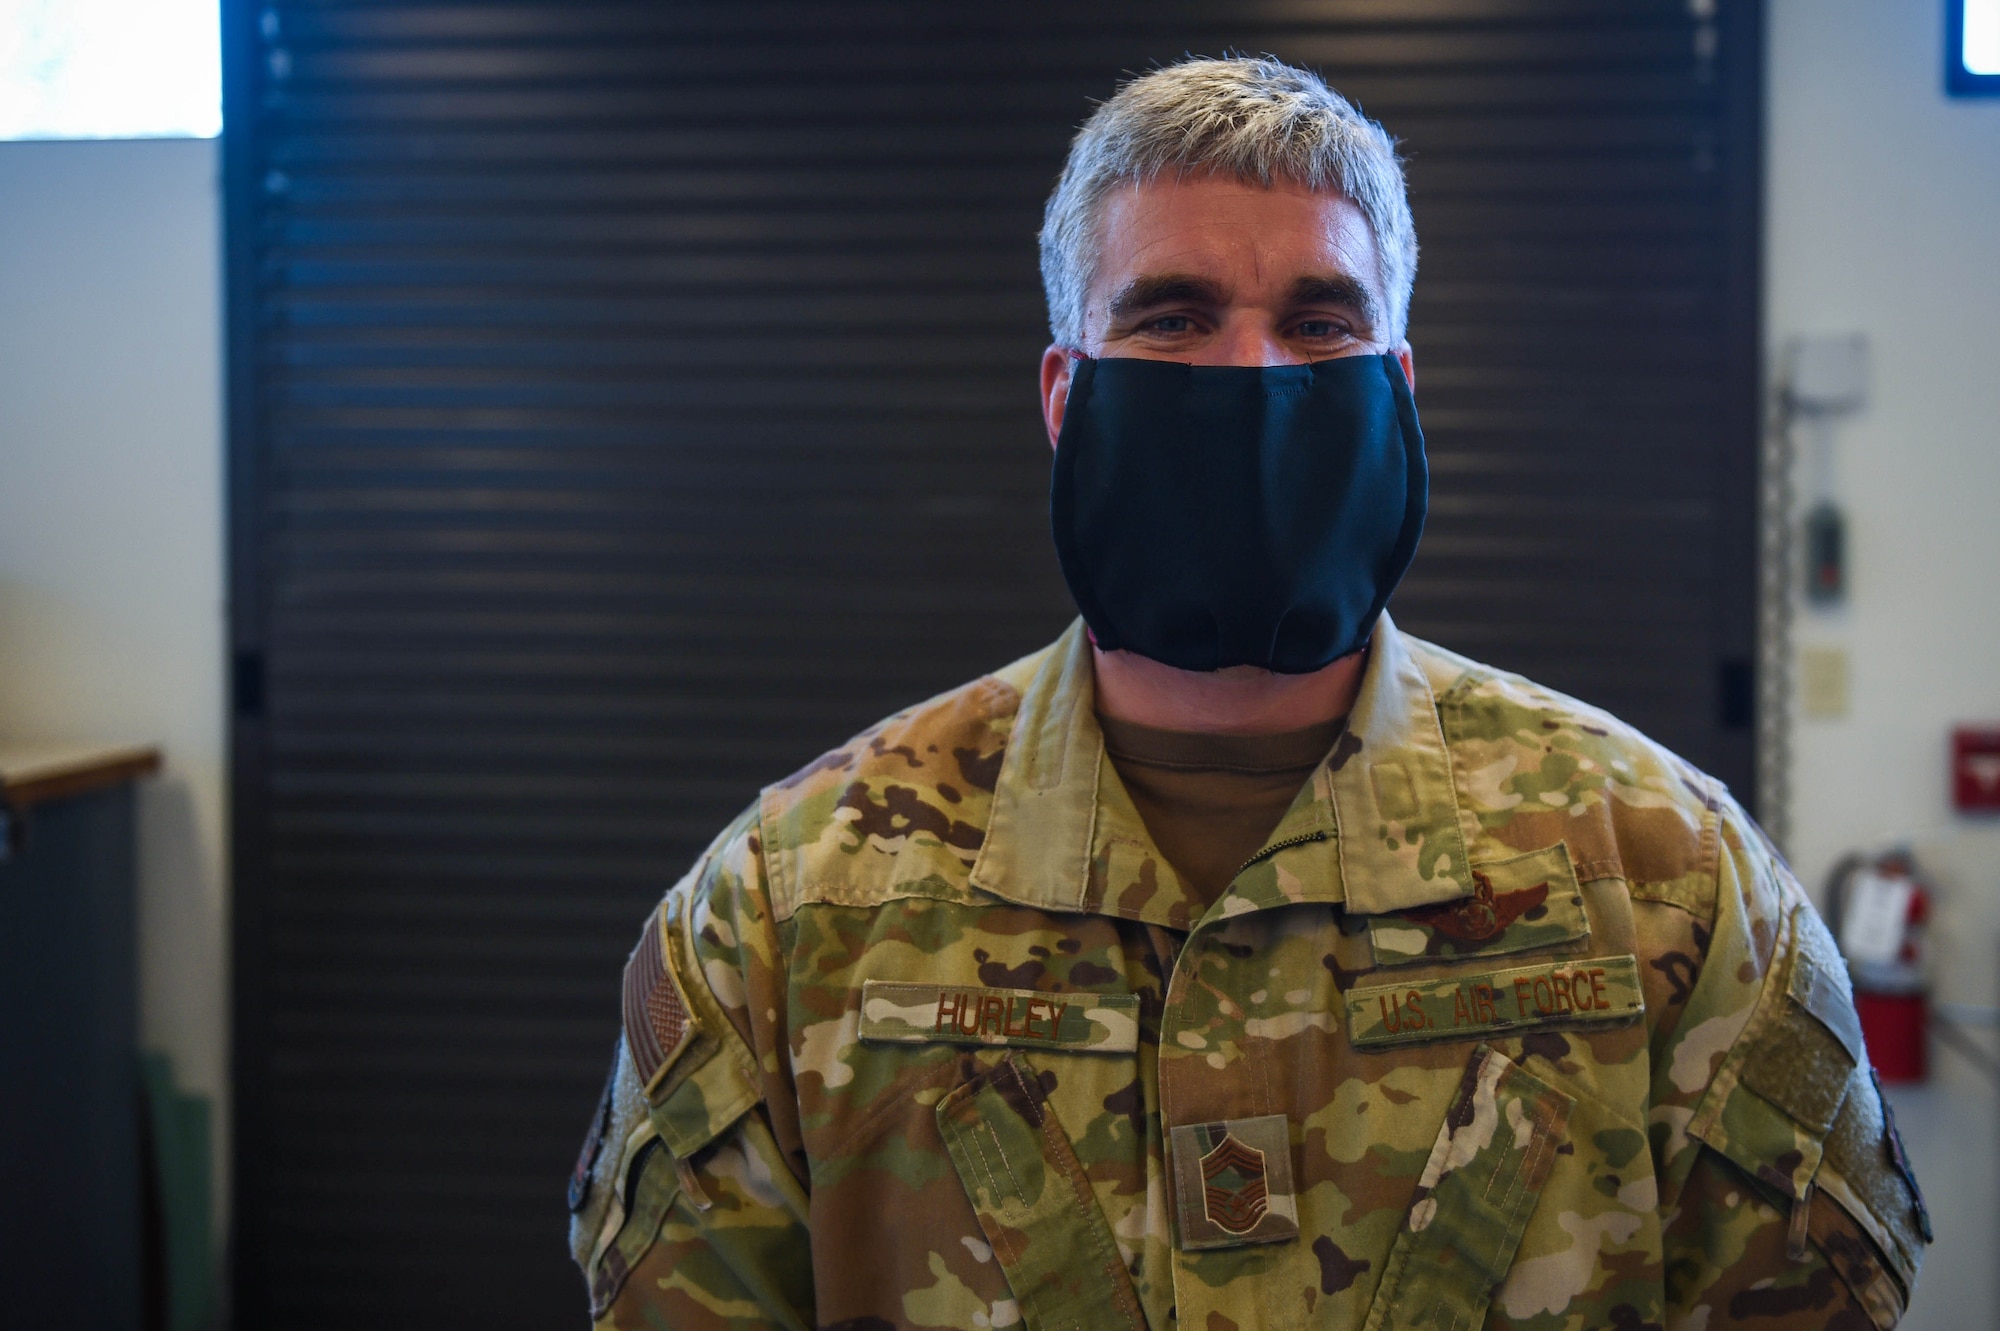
(630, 400)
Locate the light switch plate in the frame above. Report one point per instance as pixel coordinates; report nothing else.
(1823, 681)
(1828, 373)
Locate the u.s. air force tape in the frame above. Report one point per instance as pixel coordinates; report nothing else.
(968, 1014)
(1460, 1006)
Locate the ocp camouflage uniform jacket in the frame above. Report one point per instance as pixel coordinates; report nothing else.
(1515, 1020)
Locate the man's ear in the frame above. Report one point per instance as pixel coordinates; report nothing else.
(1409, 364)
(1055, 390)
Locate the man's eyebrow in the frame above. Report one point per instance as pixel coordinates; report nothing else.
(1157, 289)
(1336, 289)
(1150, 292)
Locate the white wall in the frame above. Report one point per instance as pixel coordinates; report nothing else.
(111, 525)
(1883, 217)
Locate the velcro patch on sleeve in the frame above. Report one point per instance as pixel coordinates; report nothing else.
(1818, 984)
(658, 1027)
(900, 1013)
(1459, 1007)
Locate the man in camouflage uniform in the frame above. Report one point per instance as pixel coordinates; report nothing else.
(1508, 1017)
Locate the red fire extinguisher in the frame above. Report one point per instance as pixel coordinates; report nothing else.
(1880, 911)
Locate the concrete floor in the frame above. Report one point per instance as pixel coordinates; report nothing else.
(1951, 1128)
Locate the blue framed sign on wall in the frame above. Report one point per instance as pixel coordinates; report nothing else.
(1972, 48)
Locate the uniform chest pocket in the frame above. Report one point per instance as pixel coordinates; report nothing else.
(1034, 1203)
(1019, 1087)
(1080, 1049)
(1525, 904)
(1480, 1185)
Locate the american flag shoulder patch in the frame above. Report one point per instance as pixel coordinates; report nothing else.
(658, 1024)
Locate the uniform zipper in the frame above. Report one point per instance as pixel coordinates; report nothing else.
(1277, 846)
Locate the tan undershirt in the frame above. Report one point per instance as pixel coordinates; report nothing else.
(1211, 801)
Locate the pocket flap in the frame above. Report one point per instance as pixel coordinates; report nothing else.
(1529, 903)
(1803, 1054)
(1783, 1084)
(651, 1184)
(1034, 1203)
(1473, 1200)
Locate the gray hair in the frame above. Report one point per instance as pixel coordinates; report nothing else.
(1259, 120)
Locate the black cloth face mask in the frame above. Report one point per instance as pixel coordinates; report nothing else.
(1211, 516)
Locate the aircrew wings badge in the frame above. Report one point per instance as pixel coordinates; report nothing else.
(658, 1026)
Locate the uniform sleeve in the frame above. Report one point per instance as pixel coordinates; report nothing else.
(694, 1213)
(1729, 1260)
(1786, 1199)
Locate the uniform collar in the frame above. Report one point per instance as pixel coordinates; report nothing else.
(1384, 805)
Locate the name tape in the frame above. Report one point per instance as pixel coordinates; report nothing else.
(1593, 989)
(968, 1014)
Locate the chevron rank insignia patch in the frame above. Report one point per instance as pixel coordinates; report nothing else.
(1233, 1182)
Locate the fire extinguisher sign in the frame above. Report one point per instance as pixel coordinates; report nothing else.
(1883, 921)
(1878, 910)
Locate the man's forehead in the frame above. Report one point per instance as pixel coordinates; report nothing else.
(1230, 232)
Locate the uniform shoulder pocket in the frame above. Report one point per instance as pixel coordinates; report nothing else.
(1796, 1106)
(1866, 1171)
(598, 1181)
(1782, 1085)
(1478, 1189)
(697, 1074)
(632, 1223)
